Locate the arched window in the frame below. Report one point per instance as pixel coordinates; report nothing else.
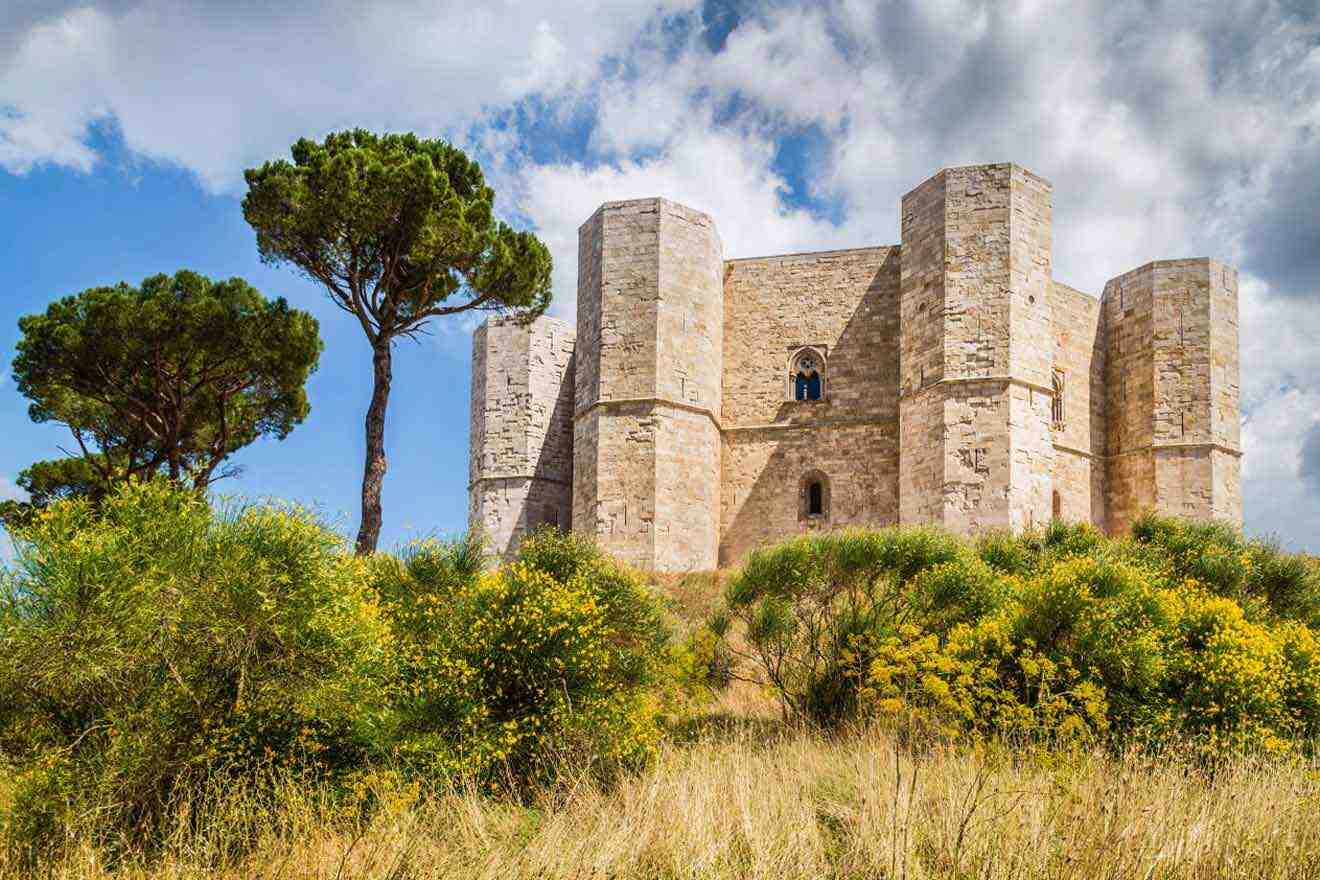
(1058, 505)
(814, 497)
(807, 375)
(1056, 406)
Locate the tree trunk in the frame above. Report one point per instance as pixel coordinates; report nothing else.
(373, 474)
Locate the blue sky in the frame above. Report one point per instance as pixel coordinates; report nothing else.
(65, 231)
(1167, 130)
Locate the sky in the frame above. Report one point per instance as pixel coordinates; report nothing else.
(1167, 129)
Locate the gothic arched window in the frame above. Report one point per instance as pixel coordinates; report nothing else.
(806, 374)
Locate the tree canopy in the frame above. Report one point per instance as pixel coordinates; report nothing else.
(171, 377)
(398, 230)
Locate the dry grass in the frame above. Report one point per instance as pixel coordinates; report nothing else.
(748, 804)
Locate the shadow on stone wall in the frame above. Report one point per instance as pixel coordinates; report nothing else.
(550, 496)
(851, 436)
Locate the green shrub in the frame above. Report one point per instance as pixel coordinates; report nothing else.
(152, 640)
(809, 607)
(1264, 581)
(501, 673)
(1185, 631)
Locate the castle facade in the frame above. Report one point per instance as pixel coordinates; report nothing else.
(702, 407)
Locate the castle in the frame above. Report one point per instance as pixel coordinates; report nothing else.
(703, 406)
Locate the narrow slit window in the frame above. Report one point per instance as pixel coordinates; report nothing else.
(1056, 406)
(813, 499)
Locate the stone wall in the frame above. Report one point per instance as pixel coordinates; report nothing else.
(1196, 386)
(1173, 354)
(1030, 348)
(646, 436)
(520, 458)
(1079, 441)
(844, 306)
(1128, 304)
(1225, 393)
(689, 389)
(921, 355)
(977, 450)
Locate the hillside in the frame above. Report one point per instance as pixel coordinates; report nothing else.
(234, 694)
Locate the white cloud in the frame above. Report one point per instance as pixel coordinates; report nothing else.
(723, 173)
(198, 84)
(1281, 404)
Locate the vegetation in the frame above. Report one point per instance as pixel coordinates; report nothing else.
(189, 691)
(1183, 632)
(171, 377)
(150, 643)
(398, 230)
(500, 675)
(799, 806)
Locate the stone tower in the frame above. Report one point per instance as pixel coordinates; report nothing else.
(1172, 392)
(520, 460)
(646, 441)
(976, 350)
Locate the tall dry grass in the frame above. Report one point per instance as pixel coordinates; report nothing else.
(768, 805)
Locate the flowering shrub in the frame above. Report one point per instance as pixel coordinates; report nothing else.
(500, 673)
(810, 607)
(151, 641)
(1184, 631)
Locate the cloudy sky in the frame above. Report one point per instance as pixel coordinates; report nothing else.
(1167, 129)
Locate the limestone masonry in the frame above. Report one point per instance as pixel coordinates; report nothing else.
(705, 406)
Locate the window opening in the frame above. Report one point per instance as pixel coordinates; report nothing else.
(807, 376)
(1056, 407)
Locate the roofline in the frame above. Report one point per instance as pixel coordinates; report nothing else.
(856, 250)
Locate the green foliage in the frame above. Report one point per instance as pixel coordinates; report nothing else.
(399, 230)
(170, 377)
(395, 227)
(500, 674)
(1186, 630)
(56, 480)
(1267, 583)
(810, 604)
(149, 641)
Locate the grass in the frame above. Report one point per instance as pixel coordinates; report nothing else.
(750, 801)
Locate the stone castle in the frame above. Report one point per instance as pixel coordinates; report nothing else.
(703, 406)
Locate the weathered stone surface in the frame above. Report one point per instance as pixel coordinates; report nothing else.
(977, 350)
(843, 306)
(1079, 435)
(1173, 380)
(520, 459)
(646, 433)
(961, 385)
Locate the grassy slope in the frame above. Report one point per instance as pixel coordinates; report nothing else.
(799, 805)
(750, 798)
